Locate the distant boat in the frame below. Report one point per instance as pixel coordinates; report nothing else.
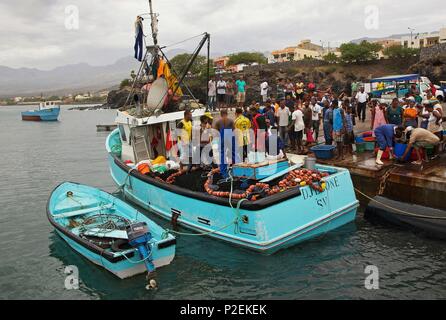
(48, 111)
(109, 232)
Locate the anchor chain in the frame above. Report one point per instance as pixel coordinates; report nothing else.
(383, 181)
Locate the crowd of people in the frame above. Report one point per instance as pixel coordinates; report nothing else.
(298, 112)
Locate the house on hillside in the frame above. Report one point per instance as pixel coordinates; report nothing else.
(304, 50)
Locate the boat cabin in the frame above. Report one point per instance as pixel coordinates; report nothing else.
(145, 138)
(49, 105)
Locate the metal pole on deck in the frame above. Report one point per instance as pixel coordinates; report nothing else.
(208, 71)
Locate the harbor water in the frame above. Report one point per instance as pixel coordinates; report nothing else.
(37, 156)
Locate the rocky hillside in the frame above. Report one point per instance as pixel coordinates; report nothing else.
(434, 68)
(337, 76)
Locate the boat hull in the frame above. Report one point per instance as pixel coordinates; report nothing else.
(123, 266)
(263, 227)
(122, 269)
(51, 114)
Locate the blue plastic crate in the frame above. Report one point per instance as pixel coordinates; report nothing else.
(323, 151)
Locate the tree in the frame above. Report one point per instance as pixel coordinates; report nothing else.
(247, 58)
(364, 51)
(198, 68)
(331, 57)
(124, 83)
(398, 51)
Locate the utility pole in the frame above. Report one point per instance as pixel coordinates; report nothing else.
(411, 35)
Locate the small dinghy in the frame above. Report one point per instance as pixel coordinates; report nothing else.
(429, 221)
(109, 232)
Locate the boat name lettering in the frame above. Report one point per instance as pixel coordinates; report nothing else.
(309, 193)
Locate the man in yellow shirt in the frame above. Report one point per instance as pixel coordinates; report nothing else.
(185, 138)
(242, 125)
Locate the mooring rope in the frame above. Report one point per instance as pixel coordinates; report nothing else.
(403, 212)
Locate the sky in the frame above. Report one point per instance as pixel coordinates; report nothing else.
(49, 33)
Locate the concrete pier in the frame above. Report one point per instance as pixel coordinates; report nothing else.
(105, 127)
(424, 185)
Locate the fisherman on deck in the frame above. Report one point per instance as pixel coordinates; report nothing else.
(242, 125)
(419, 138)
(385, 136)
(225, 127)
(275, 148)
(185, 139)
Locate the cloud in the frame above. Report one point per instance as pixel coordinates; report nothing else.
(33, 32)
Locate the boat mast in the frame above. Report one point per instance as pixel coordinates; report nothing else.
(154, 26)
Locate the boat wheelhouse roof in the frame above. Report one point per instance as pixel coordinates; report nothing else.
(123, 117)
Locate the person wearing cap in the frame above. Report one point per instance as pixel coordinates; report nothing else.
(385, 136)
(410, 115)
(419, 138)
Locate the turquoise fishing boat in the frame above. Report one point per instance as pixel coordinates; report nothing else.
(109, 232)
(265, 225)
(48, 111)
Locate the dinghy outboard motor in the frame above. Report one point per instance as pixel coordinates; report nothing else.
(139, 236)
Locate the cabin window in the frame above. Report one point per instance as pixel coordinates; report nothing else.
(122, 133)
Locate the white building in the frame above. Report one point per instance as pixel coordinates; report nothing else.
(423, 40)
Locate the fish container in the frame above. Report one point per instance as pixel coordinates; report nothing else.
(359, 139)
(367, 134)
(310, 163)
(399, 150)
(369, 143)
(360, 147)
(323, 151)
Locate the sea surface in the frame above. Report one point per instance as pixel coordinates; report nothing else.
(37, 156)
